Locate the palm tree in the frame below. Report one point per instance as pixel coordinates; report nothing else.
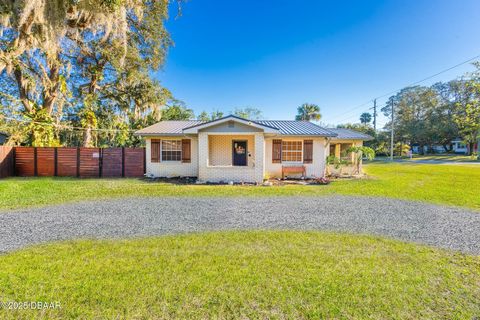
(308, 112)
(365, 118)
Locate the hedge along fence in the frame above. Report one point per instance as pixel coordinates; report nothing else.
(72, 162)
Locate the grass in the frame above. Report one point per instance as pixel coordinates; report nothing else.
(436, 157)
(255, 274)
(441, 184)
(447, 157)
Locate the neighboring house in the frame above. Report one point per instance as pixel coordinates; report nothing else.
(458, 146)
(3, 137)
(240, 150)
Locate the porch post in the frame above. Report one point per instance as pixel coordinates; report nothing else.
(202, 156)
(337, 150)
(352, 155)
(259, 156)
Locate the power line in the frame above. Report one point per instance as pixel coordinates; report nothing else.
(430, 77)
(61, 126)
(411, 84)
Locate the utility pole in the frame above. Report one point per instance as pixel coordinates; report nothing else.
(391, 137)
(375, 115)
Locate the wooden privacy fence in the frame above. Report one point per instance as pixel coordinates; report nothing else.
(72, 162)
(7, 165)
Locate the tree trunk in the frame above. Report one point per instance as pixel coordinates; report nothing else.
(470, 148)
(92, 88)
(51, 92)
(21, 90)
(87, 137)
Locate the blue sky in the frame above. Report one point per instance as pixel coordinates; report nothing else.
(276, 55)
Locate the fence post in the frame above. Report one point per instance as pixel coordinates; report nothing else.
(144, 160)
(55, 161)
(78, 162)
(35, 170)
(14, 161)
(123, 162)
(100, 162)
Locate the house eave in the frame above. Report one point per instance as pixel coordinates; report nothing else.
(336, 138)
(194, 129)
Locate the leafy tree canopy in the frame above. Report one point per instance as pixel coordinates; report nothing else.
(308, 112)
(248, 113)
(177, 111)
(365, 118)
(83, 64)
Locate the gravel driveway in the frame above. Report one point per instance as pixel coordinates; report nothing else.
(445, 227)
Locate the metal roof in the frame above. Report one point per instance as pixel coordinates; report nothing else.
(286, 127)
(167, 128)
(347, 134)
(297, 128)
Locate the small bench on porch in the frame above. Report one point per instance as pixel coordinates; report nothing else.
(293, 169)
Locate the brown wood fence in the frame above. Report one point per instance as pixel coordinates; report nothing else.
(72, 162)
(7, 165)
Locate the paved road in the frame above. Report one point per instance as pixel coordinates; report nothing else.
(445, 227)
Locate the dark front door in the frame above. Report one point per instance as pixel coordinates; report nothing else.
(239, 153)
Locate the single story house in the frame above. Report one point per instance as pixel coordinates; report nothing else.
(457, 146)
(241, 150)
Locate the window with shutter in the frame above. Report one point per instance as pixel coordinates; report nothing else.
(308, 151)
(171, 150)
(186, 151)
(277, 151)
(291, 151)
(155, 150)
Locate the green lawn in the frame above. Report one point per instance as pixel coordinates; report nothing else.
(261, 274)
(443, 184)
(437, 157)
(447, 157)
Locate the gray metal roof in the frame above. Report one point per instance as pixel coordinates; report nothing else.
(230, 116)
(347, 134)
(286, 127)
(164, 128)
(297, 128)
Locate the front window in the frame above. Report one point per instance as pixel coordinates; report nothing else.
(292, 151)
(171, 150)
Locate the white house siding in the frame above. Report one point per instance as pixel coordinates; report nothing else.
(220, 151)
(173, 168)
(231, 127)
(314, 169)
(219, 167)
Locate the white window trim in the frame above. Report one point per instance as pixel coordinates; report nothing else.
(161, 151)
(292, 162)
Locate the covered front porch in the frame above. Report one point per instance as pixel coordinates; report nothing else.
(345, 162)
(339, 150)
(236, 157)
